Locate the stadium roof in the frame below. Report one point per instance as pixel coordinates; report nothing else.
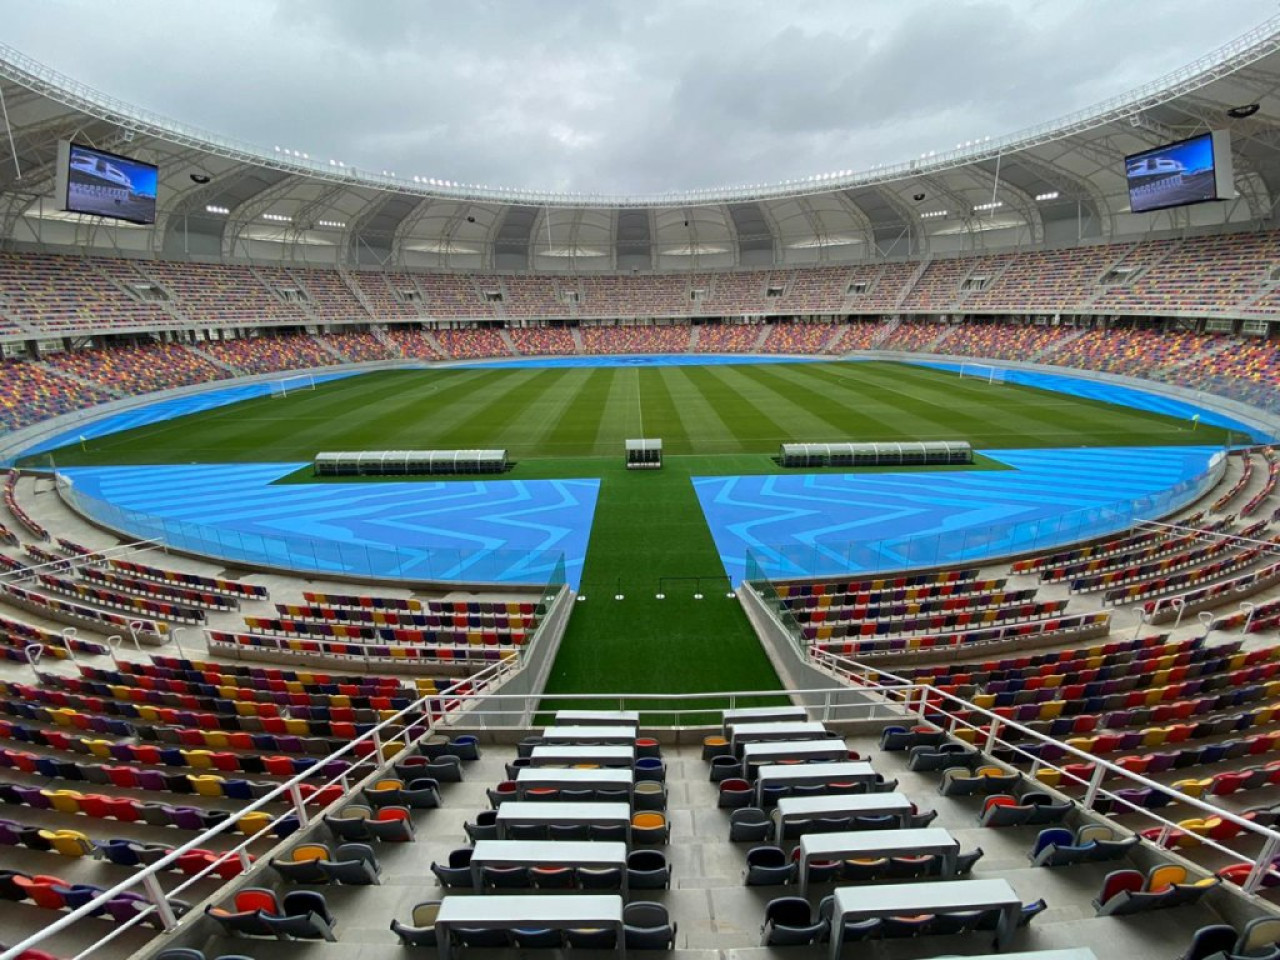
(1057, 183)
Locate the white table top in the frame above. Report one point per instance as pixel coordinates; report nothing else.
(776, 730)
(518, 810)
(848, 771)
(585, 852)
(850, 803)
(622, 717)
(749, 714)
(851, 843)
(589, 734)
(571, 777)
(543, 756)
(1070, 953)
(797, 749)
(924, 897)
(532, 909)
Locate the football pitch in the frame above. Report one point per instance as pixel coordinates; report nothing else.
(553, 413)
(649, 535)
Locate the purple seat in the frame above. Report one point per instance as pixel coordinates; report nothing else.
(186, 818)
(150, 780)
(122, 752)
(126, 906)
(31, 796)
(332, 769)
(9, 835)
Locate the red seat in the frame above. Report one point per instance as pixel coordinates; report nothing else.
(40, 890)
(122, 776)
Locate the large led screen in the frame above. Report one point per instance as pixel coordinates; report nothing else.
(1177, 174)
(105, 184)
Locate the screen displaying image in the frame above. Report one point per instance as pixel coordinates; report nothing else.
(107, 185)
(1172, 175)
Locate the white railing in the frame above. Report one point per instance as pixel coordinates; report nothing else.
(410, 719)
(865, 698)
(930, 704)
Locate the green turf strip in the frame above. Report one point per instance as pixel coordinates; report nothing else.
(649, 537)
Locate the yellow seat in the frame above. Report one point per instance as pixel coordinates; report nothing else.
(1052, 709)
(1165, 876)
(99, 748)
(1192, 830)
(648, 828)
(965, 734)
(69, 843)
(62, 716)
(199, 759)
(984, 701)
(389, 750)
(205, 784)
(310, 851)
(1049, 777)
(1083, 744)
(252, 823)
(216, 739)
(147, 712)
(1154, 736)
(1192, 788)
(64, 801)
(297, 726)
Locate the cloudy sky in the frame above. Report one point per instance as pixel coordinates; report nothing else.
(618, 95)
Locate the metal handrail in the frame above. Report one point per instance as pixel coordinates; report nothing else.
(928, 696)
(899, 698)
(287, 790)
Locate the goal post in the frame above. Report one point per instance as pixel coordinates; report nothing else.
(982, 371)
(287, 385)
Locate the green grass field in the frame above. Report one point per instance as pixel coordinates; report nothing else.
(648, 527)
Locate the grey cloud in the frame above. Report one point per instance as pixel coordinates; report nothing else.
(612, 95)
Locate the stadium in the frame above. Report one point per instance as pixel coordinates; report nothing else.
(880, 563)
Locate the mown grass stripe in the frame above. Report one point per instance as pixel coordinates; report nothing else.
(702, 426)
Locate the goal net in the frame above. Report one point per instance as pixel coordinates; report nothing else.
(288, 385)
(982, 371)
